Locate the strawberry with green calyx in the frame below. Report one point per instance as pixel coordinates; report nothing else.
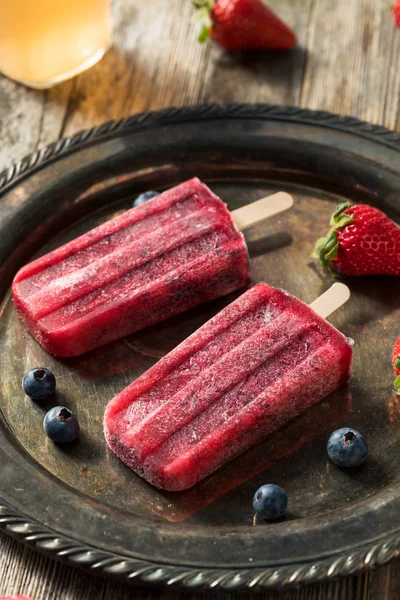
(396, 365)
(242, 25)
(362, 241)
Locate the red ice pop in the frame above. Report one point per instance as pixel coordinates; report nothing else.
(249, 370)
(157, 260)
(17, 597)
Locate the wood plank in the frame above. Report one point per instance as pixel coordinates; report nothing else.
(20, 118)
(55, 105)
(353, 61)
(29, 119)
(384, 583)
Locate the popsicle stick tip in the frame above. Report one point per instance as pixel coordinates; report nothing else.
(337, 295)
(286, 199)
(262, 209)
(341, 290)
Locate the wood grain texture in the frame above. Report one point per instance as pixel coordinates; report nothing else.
(348, 61)
(353, 60)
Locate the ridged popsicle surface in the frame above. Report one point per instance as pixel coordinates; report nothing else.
(157, 260)
(253, 367)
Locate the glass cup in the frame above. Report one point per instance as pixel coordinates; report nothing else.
(44, 42)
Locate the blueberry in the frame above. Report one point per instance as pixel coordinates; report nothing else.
(60, 425)
(142, 198)
(347, 447)
(270, 502)
(39, 383)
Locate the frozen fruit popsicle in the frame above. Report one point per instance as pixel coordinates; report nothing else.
(249, 370)
(178, 250)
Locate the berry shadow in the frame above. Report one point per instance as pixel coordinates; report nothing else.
(259, 521)
(370, 475)
(242, 71)
(57, 399)
(378, 292)
(82, 450)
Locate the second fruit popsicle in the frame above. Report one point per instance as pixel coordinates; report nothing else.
(249, 370)
(157, 260)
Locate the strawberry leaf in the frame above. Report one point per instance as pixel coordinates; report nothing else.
(318, 247)
(207, 4)
(203, 14)
(327, 249)
(332, 253)
(344, 220)
(338, 212)
(204, 33)
(396, 363)
(397, 384)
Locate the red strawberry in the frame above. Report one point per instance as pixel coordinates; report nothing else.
(396, 363)
(243, 25)
(396, 13)
(362, 241)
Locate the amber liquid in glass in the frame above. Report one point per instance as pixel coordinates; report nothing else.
(43, 42)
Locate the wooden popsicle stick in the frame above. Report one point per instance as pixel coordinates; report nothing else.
(331, 300)
(267, 207)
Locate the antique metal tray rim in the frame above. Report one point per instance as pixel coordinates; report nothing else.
(139, 121)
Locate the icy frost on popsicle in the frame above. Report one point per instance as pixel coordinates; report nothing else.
(253, 367)
(175, 252)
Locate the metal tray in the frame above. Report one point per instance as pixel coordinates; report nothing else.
(80, 503)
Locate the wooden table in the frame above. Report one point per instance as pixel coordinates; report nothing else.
(348, 61)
